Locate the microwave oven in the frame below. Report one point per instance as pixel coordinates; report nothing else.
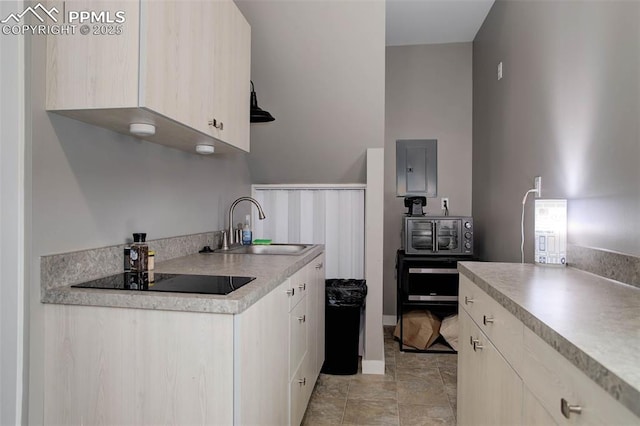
(438, 235)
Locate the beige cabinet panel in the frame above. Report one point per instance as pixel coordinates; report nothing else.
(316, 315)
(94, 71)
(262, 368)
(177, 60)
(504, 329)
(135, 366)
(468, 374)
(298, 331)
(552, 378)
(300, 389)
(183, 66)
(489, 390)
(236, 80)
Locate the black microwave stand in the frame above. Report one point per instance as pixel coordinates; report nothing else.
(427, 282)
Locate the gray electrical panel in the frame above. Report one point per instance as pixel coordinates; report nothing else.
(417, 167)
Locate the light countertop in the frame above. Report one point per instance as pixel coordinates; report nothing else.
(594, 322)
(269, 270)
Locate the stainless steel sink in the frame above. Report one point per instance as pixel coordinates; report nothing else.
(291, 249)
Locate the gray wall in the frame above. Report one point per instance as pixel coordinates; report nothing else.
(428, 96)
(567, 109)
(91, 188)
(318, 67)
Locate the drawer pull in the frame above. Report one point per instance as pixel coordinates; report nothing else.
(302, 286)
(487, 320)
(473, 341)
(302, 318)
(467, 300)
(319, 265)
(567, 409)
(477, 346)
(291, 291)
(302, 382)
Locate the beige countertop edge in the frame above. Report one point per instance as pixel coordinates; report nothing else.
(269, 274)
(600, 372)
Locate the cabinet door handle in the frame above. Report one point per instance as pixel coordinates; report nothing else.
(302, 286)
(468, 300)
(567, 409)
(291, 291)
(473, 341)
(319, 265)
(487, 320)
(303, 381)
(302, 318)
(477, 346)
(217, 124)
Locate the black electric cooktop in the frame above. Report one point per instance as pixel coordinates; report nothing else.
(176, 283)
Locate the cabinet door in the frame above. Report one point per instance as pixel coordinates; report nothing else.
(231, 73)
(177, 61)
(318, 265)
(468, 380)
(261, 369)
(94, 71)
(300, 388)
(501, 388)
(297, 335)
(489, 390)
(315, 306)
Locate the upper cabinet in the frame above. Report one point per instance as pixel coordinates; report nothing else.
(182, 66)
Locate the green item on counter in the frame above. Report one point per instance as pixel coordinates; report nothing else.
(262, 242)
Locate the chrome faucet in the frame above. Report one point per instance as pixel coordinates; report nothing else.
(232, 235)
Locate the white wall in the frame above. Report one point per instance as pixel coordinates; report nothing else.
(318, 67)
(428, 96)
(12, 288)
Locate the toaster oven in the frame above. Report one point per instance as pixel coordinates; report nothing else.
(438, 235)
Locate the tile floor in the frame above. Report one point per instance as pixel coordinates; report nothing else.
(417, 389)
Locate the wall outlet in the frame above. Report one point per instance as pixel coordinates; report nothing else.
(537, 184)
(444, 203)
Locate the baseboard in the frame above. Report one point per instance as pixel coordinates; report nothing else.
(389, 320)
(372, 367)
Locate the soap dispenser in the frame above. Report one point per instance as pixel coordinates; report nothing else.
(246, 231)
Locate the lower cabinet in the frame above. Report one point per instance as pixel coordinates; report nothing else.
(566, 394)
(508, 375)
(282, 357)
(147, 367)
(306, 327)
(489, 390)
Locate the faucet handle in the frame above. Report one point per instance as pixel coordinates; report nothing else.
(225, 241)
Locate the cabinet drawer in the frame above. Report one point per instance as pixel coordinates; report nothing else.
(297, 335)
(501, 327)
(552, 378)
(298, 286)
(300, 388)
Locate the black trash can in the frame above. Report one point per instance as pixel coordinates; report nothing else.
(344, 303)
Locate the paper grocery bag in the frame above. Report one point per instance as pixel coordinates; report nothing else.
(419, 329)
(449, 331)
